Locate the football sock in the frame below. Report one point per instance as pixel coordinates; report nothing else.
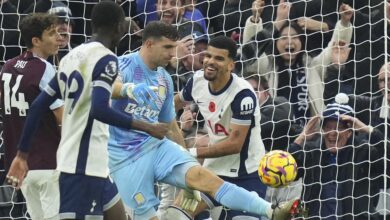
(238, 198)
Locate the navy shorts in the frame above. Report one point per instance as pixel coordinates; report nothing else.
(84, 196)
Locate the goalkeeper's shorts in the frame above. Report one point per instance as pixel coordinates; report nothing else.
(167, 163)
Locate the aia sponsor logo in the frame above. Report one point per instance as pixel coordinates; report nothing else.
(217, 128)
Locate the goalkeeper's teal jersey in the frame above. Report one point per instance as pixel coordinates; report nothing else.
(129, 145)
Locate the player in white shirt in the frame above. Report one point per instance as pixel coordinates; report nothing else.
(138, 160)
(84, 81)
(231, 111)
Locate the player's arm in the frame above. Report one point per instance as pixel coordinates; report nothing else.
(58, 112)
(232, 145)
(175, 134)
(58, 105)
(184, 96)
(104, 75)
(116, 90)
(243, 108)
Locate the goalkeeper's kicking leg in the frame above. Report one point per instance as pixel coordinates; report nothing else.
(232, 196)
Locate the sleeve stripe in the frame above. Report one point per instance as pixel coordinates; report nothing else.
(241, 122)
(50, 91)
(103, 84)
(181, 96)
(56, 104)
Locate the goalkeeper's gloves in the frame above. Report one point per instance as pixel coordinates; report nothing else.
(190, 200)
(141, 93)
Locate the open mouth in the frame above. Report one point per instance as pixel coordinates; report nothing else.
(167, 15)
(211, 69)
(289, 49)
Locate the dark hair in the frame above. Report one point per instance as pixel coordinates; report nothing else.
(223, 42)
(181, 1)
(106, 14)
(33, 25)
(259, 80)
(159, 29)
(300, 33)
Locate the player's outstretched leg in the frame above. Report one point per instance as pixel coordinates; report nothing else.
(235, 197)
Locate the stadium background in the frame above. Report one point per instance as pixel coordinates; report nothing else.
(369, 44)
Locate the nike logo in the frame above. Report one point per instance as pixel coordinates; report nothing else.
(198, 102)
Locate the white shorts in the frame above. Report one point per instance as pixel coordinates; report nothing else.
(40, 189)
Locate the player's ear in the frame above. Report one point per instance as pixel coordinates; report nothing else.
(35, 41)
(231, 66)
(148, 43)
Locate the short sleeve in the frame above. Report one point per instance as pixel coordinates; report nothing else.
(243, 107)
(105, 72)
(186, 93)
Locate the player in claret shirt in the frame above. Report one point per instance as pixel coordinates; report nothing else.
(22, 79)
(84, 81)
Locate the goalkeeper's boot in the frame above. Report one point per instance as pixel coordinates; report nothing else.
(287, 210)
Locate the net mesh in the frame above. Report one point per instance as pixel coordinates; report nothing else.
(300, 68)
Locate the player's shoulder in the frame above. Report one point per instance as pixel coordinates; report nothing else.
(25, 63)
(198, 76)
(89, 53)
(89, 48)
(127, 59)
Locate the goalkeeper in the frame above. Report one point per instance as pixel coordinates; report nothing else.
(138, 160)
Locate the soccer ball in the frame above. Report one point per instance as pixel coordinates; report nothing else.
(277, 168)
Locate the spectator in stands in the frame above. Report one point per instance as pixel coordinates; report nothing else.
(28, 74)
(276, 116)
(316, 19)
(172, 11)
(231, 20)
(194, 14)
(191, 49)
(336, 163)
(290, 71)
(65, 28)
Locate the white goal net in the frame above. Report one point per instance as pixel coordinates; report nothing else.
(298, 55)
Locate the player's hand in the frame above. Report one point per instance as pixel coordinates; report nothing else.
(18, 170)
(159, 130)
(141, 93)
(187, 119)
(190, 200)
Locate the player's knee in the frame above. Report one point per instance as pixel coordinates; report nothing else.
(201, 179)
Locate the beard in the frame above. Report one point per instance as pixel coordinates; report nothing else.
(210, 78)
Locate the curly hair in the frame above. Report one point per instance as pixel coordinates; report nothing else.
(33, 25)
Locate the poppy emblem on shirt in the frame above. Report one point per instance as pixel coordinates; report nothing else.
(212, 107)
